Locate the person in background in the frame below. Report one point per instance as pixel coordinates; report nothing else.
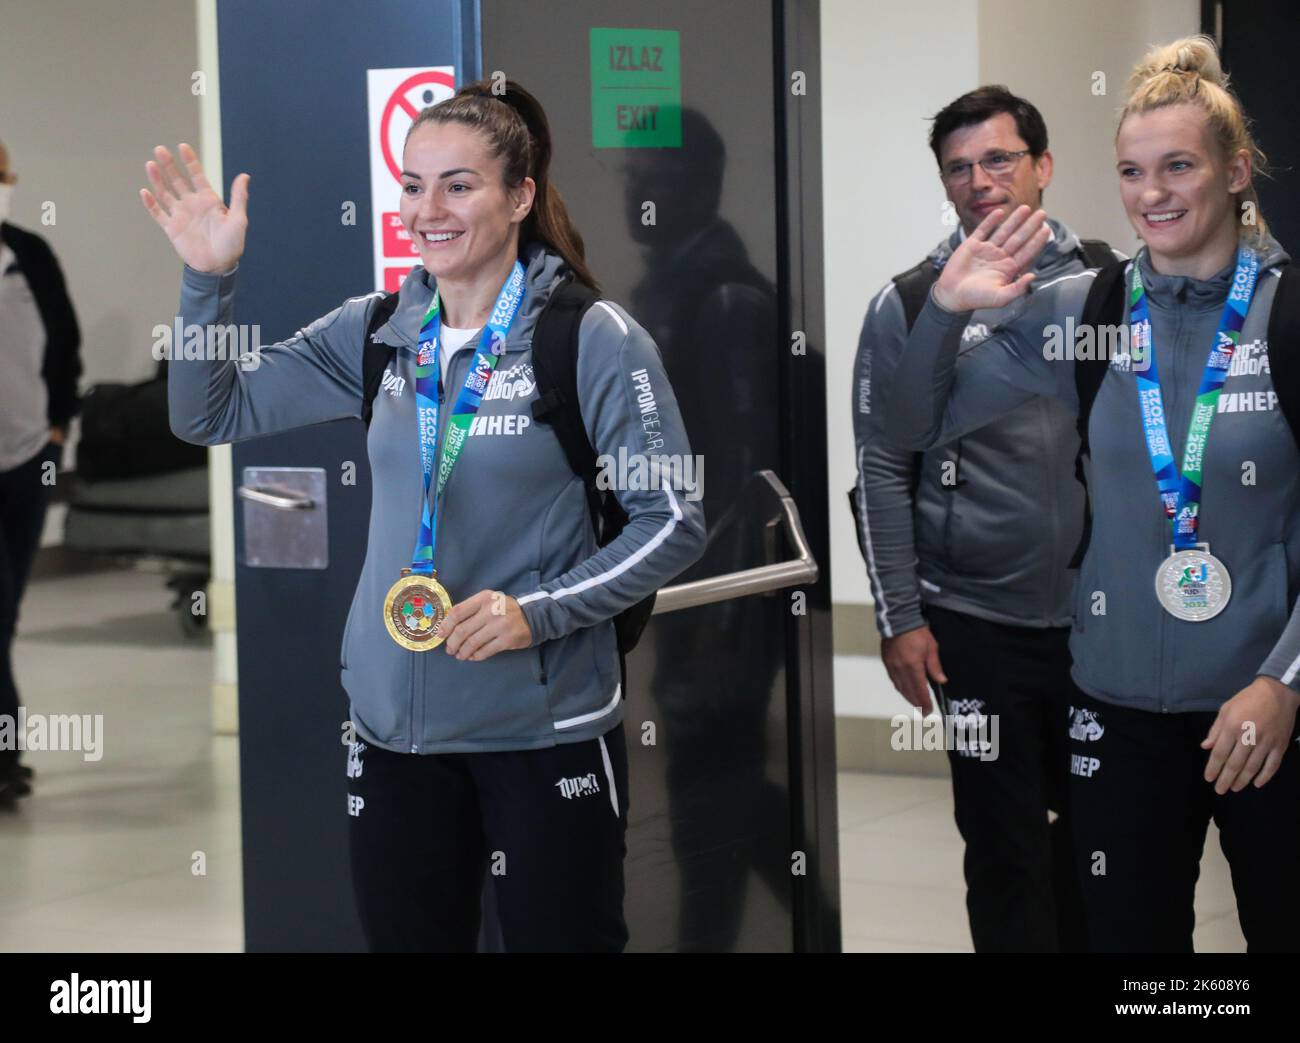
(40, 345)
(1186, 635)
(966, 598)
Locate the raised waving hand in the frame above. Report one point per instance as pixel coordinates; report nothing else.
(207, 235)
(989, 268)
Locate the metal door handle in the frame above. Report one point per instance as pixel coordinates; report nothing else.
(802, 569)
(274, 496)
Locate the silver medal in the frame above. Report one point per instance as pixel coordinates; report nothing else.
(1193, 585)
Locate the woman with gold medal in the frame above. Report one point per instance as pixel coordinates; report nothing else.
(1186, 636)
(479, 655)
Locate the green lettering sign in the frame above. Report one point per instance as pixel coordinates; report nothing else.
(636, 88)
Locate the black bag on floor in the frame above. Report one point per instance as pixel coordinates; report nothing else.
(126, 433)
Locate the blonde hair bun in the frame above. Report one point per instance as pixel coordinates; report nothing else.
(1188, 72)
(1196, 55)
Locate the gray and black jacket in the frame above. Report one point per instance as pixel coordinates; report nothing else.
(943, 527)
(42, 347)
(514, 517)
(1127, 650)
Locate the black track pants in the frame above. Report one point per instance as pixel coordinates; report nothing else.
(547, 826)
(1141, 810)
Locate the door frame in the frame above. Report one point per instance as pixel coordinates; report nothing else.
(801, 307)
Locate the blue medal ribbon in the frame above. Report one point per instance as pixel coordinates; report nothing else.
(1180, 490)
(427, 409)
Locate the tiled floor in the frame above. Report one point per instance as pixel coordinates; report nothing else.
(104, 856)
(901, 876)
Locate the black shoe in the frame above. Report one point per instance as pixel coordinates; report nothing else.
(14, 781)
(8, 796)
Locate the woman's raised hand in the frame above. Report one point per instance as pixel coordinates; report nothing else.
(207, 235)
(988, 269)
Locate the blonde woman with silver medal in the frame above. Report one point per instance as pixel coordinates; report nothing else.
(1186, 637)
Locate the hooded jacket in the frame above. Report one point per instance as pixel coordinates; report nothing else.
(943, 527)
(513, 516)
(1127, 649)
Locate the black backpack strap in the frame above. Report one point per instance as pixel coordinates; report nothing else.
(1104, 307)
(1284, 346)
(1097, 253)
(914, 287)
(555, 369)
(377, 354)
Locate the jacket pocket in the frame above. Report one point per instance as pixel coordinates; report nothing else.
(1216, 659)
(538, 651)
(493, 700)
(1082, 600)
(1280, 573)
(1117, 622)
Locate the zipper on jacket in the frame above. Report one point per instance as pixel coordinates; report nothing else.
(1055, 593)
(415, 747)
(1172, 401)
(418, 736)
(415, 656)
(948, 496)
(418, 663)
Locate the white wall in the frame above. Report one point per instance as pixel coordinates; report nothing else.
(887, 67)
(88, 89)
(1082, 39)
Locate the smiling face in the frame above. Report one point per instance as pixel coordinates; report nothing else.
(983, 193)
(1176, 186)
(455, 204)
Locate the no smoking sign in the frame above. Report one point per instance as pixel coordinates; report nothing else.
(395, 98)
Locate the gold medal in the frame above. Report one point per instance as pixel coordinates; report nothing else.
(413, 609)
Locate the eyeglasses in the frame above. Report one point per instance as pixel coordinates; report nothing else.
(1000, 164)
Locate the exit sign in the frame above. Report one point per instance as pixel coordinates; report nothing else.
(636, 88)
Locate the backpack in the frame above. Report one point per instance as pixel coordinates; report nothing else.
(125, 433)
(913, 288)
(555, 370)
(1107, 304)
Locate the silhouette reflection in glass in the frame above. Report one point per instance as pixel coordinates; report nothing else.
(722, 727)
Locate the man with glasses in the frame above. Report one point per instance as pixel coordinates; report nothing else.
(967, 550)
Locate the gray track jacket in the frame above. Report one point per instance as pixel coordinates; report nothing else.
(1127, 650)
(513, 518)
(942, 527)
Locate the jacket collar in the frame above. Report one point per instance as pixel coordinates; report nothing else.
(543, 268)
(1172, 291)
